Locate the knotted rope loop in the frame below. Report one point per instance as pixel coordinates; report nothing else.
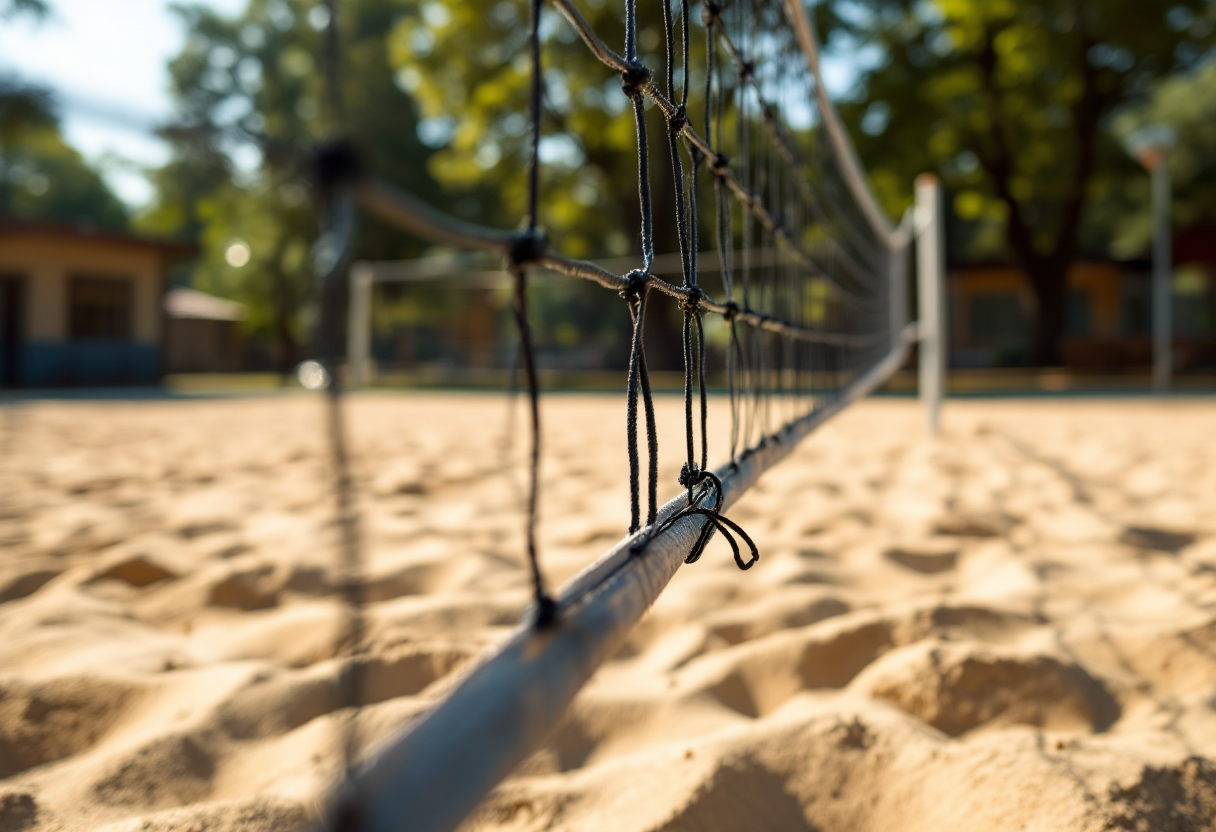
(635, 285)
(719, 164)
(526, 247)
(729, 529)
(746, 69)
(634, 78)
(677, 120)
(731, 312)
(690, 477)
(710, 12)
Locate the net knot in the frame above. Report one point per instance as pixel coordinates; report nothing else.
(677, 120)
(731, 312)
(691, 475)
(719, 163)
(634, 78)
(690, 303)
(635, 284)
(746, 70)
(770, 113)
(334, 164)
(526, 247)
(710, 13)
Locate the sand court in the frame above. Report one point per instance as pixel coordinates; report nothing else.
(1012, 627)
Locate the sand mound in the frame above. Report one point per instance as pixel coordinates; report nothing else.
(1012, 628)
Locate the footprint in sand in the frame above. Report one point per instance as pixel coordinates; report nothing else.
(958, 687)
(925, 562)
(1159, 540)
(41, 722)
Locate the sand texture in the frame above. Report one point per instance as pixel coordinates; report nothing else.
(1010, 628)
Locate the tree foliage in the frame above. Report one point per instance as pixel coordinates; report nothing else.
(249, 94)
(47, 179)
(1187, 103)
(1011, 100)
(41, 176)
(467, 66)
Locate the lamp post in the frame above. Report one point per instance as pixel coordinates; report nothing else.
(1151, 145)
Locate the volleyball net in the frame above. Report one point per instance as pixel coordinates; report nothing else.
(773, 230)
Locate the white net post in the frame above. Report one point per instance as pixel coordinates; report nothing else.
(930, 266)
(359, 325)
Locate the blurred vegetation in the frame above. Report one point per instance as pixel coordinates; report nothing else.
(249, 103)
(1187, 103)
(41, 177)
(1012, 102)
(1019, 106)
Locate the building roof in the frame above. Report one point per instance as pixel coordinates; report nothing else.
(16, 227)
(189, 303)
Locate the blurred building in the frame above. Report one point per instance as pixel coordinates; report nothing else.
(203, 333)
(81, 306)
(1109, 312)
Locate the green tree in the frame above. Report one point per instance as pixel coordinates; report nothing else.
(45, 178)
(1010, 101)
(41, 176)
(1187, 103)
(467, 66)
(249, 93)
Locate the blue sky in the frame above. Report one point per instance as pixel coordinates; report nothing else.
(105, 60)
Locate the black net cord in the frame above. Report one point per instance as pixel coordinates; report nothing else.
(527, 249)
(546, 609)
(638, 382)
(693, 474)
(332, 258)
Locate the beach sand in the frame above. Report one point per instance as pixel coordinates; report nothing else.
(1012, 627)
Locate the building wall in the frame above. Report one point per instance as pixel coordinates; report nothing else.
(47, 355)
(991, 317)
(197, 345)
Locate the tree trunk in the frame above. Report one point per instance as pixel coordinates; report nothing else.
(1049, 280)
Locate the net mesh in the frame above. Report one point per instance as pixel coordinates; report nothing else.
(802, 272)
(803, 267)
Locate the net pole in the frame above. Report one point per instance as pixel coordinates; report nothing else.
(359, 326)
(898, 269)
(429, 778)
(930, 253)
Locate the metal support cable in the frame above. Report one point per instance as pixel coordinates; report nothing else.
(397, 208)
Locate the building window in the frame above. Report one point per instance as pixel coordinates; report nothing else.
(99, 307)
(1076, 319)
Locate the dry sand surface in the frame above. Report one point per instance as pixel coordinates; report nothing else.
(1013, 627)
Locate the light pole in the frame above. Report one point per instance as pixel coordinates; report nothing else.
(1151, 145)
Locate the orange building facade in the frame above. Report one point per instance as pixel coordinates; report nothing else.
(1108, 322)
